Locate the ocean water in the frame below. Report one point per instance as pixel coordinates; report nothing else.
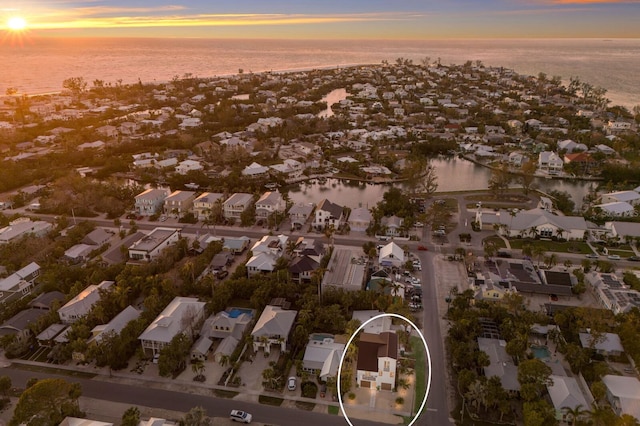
(39, 65)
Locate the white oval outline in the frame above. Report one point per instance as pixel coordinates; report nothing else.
(344, 353)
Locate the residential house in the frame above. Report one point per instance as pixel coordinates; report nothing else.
(623, 393)
(631, 197)
(48, 300)
(302, 269)
(500, 363)
(607, 344)
(228, 326)
(269, 203)
(97, 237)
(236, 245)
(273, 328)
(393, 226)
(182, 315)
(391, 255)
(582, 160)
(114, 326)
(179, 203)
(328, 214)
(623, 230)
(616, 209)
(360, 219)
(206, 203)
(569, 146)
(550, 162)
(377, 358)
(309, 247)
(22, 227)
(47, 336)
(346, 270)
(377, 326)
(237, 204)
(254, 169)
(150, 246)
(19, 284)
(566, 393)
(612, 293)
(533, 222)
(81, 304)
(19, 324)
(322, 356)
(300, 213)
(78, 253)
(187, 166)
(150, 202)
(266, 253)
(75, 421)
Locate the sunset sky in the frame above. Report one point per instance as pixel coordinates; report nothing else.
(366, 19)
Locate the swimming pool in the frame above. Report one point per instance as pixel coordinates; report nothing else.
(540, 352)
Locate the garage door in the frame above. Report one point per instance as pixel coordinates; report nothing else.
(365, 384)
(385, 386)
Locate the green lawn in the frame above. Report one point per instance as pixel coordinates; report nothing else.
(421, 365)
(577, 247)
(221, 393)
(333, 409)
(497, 241)
(270, 400)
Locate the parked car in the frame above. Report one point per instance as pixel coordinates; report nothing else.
(240, 416)
(634, 258)
(613, 257)
(592, 256)
(291, 383)
(221, 274)
(163, 218)
(422, 248)
(504, 254)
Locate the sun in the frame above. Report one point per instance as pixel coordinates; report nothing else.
(17, 23)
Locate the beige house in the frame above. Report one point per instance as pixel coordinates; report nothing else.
(179, 203)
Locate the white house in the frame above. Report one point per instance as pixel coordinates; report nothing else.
(269, 203)
(234, 206)
(328, 214)
(273, 328)
(607, 344)
(300, 213)
(377, 358)
(533, 222)
(500, 363)
(19, 284)
(565, 392)
(150, 246)
(322, 356)
(623, 393)
(550, 162)
(255, 169)
(360, 219)
(23, 226)
(188, 165)
(616, 209)
(81, 304)
(391, 255)
(631, 197)
(182, 315)
(150, 202)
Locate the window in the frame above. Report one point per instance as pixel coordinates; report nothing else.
(386, 366)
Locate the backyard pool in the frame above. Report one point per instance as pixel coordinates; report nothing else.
(541, 352)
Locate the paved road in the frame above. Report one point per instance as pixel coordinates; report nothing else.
(183, 402)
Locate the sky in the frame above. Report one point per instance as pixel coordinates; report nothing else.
(326, 19)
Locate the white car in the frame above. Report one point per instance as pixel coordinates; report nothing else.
(613, 257)
(291, 383)
(240, 416)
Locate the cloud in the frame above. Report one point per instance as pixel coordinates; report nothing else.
(102, 17)
(592, 1)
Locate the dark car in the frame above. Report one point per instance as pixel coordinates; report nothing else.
(221, 274)
(422, 248)
(634, 258)
(504, 254)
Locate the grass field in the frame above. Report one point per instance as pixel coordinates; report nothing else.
(577, 247)
(421, 366)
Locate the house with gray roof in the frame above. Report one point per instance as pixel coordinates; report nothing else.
(322, 355)
(238, 203)
(300, 213)
(270, 202)
(565, 392)
(328, 214)
(616, 209)
(236, 245)
(623, 393)
(273, 328)
(500, 363)
(205, 203)
(534, 222)
(179, 203)
(19, 323)
(19, 284)
(82, 303)
(151, 201)
(302, 268)
(182, 315)
(114, 326)
(607, 344)
(150, 246)
(360, 219)
(346, 270)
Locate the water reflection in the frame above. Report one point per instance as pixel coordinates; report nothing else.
(454, 174)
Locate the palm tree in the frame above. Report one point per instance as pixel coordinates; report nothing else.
(572, 414)
(198, 369)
